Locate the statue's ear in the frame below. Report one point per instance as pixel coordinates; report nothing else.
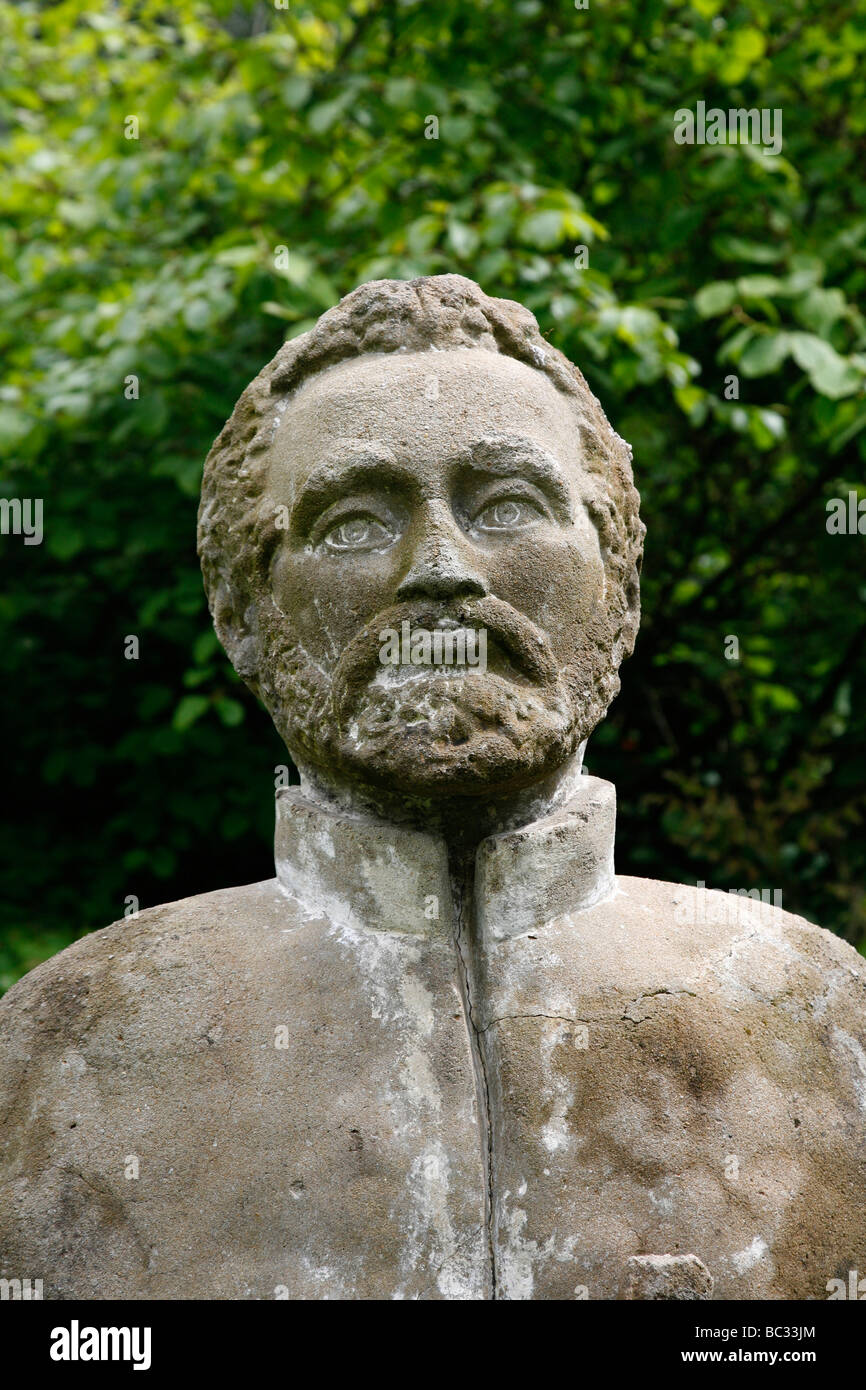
(236, 626)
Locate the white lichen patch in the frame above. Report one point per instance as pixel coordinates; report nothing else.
(431, 1240)
(856, 1060)
(419, 1004)
(517, 1259)
(744, 1260)
(419, 1083)
(72, 1064)
(555, 1134)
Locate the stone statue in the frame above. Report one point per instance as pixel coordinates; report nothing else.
(445, 1053)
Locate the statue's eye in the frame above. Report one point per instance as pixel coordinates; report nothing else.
(507, 514)
(358, 533)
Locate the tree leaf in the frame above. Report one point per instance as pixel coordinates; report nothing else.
(715, 298)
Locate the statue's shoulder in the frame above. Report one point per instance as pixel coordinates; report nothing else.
(197, 1047)
(744, 944)
(164, 962)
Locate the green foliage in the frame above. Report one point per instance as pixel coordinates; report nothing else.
(306, 129)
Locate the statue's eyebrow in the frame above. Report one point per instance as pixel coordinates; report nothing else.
(515, 456)
(342, 470)
(358, 465)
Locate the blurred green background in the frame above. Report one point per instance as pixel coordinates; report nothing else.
(307, 128)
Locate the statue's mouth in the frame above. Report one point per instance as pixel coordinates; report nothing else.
(447, 650)
(411, 642)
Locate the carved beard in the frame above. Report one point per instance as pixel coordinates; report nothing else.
(430, 730)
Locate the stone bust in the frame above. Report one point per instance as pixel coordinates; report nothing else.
(445, 1053)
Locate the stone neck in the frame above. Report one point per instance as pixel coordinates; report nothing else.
(462, 821)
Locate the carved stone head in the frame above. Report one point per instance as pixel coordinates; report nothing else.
(423, 457)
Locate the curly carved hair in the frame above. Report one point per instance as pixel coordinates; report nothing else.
(237, 529)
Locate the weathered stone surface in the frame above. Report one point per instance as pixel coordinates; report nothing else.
(351, 1161)
(709, 1051)
(344, 1164)
(669, 1277)
(445, 1053)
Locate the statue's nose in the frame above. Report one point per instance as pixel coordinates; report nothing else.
(442, 564)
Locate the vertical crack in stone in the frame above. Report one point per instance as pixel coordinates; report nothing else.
(462, 873)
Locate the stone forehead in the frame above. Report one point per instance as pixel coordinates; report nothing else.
(444, 366)
(435, 402)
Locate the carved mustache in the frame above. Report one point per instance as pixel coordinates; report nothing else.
(526, 647)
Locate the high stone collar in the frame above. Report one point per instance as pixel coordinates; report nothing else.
(375, 875)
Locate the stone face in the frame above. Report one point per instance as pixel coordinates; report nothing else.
(346, 497)
(446, 1053)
